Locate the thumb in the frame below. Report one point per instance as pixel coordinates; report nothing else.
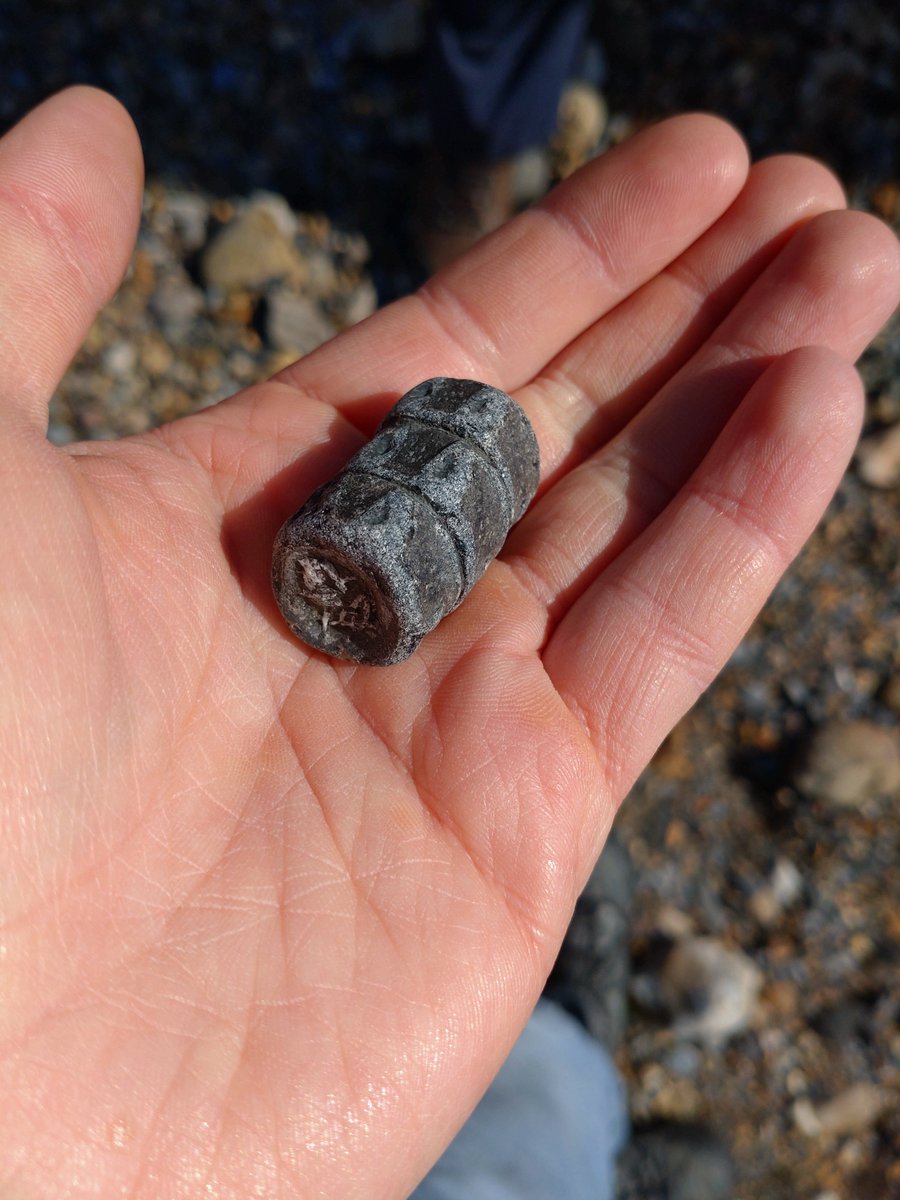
(70, 191)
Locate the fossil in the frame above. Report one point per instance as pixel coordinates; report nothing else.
(379, 555)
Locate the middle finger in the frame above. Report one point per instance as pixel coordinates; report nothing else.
(596, 384)
(832, 285)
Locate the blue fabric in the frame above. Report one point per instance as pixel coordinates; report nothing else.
(496, 71)
(549, 1127)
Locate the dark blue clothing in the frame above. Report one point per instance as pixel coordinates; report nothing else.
(496, 70)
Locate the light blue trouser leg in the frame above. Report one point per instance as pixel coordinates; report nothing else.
(548, 1128)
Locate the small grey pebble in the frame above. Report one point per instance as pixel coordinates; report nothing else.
(176, 302)
(710, 990)
(295, 323)
(878, 458)
(848, 763)
(683, 1059)
(189, 212)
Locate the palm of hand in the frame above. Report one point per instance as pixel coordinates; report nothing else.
(261, 911)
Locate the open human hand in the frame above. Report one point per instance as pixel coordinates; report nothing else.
(270, 922)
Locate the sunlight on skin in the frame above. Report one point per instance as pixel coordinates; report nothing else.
(269, 923)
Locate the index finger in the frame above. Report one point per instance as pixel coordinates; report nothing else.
(503, 310)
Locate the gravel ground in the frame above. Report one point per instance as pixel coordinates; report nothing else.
(765, 833)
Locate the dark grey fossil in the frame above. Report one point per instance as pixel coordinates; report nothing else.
(379, 555)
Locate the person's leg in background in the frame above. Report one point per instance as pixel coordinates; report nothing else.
(554, 1120)
(550, 1125)
(495, 71)
(553, 1125)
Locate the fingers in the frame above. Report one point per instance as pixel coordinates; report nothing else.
(649, 635)
(523, 293)
(594, 387)
(833, 285)
(501, 311)
(70, 195)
